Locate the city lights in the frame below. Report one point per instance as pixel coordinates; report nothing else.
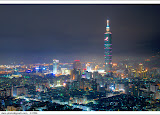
(51, 63)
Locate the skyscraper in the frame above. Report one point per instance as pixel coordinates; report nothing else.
(88, 67)
(108, 49)
(55, 64)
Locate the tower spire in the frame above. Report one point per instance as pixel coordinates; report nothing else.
(107, 23)
(107, 27)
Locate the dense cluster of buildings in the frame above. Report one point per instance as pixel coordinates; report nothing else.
(82, 87)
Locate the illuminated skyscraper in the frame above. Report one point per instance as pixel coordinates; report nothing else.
(108, 49)
(55, 64)
(88, 67)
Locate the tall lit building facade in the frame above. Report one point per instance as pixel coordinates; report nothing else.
(88, 67)
(76, 72)
(108, 49)
(55, 66)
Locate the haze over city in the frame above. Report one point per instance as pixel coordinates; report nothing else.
(39, 33)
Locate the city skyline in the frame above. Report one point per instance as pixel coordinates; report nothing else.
(66, 32)
(65, 58)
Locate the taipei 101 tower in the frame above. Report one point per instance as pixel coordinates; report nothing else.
(108, 49)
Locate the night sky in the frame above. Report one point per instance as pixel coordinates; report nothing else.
(39, 33)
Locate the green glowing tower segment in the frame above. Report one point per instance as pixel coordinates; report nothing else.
(108, 49)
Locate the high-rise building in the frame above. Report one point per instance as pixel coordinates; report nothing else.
(72, 74)
(108, 49)
(77, 65)
(88, 67)
(75, 74)
(55, 64)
